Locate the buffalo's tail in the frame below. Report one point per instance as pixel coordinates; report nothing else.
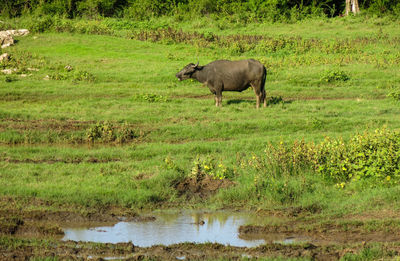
(264, 78)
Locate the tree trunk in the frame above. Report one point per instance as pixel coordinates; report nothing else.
(347, 7)
(352, 5)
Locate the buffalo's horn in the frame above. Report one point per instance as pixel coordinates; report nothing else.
(197, 64)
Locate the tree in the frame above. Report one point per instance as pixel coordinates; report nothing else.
(353, 6)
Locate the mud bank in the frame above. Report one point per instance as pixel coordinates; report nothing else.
(36, 230)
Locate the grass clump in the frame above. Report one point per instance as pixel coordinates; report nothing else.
(331, 76)
(74, 75)
(106, 132)
(395, 95)
(150, 97)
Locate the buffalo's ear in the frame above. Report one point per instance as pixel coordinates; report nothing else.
(197, 64)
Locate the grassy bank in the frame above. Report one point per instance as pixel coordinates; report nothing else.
(103, 121)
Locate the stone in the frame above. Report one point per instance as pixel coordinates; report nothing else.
(4, 57)
(6, 37)
(8, 71)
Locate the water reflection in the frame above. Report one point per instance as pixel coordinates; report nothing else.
(171, 228)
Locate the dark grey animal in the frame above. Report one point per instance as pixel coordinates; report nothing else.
(224, 75)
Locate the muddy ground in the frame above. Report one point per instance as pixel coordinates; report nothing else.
(34, 229)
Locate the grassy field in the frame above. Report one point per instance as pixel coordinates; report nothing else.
(117, 128)
(96, 122)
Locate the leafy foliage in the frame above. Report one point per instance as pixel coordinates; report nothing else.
(334, 76)
(150, 97)
(209, 166)
(372, 157)
(107, 132)
(244, 10)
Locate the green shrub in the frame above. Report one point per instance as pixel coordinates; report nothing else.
(209, 166)
(74, 75)
(370, 157)
(83, 76)
(107, 132)
(150, 97)
(334, 76)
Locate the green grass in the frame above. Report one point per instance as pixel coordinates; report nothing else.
(45, 151)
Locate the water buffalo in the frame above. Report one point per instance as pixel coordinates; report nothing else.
(224, 75)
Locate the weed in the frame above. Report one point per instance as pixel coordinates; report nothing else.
(10, 78)
(83, 76)
(334, 76)
(273, 100)
(150, 97)
(373, 252)
(395, 94)
(74, 75)
(209, 166)
(104, 132)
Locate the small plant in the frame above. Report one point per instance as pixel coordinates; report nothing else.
(394, 95)
(58, 76)
(275, 100)
(101, 131)
(125, 134)
(209, 166)
(334, 76)
(149, 97)
(107, 132)
(79, 76)
(10, 78)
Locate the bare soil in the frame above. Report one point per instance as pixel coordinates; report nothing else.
(204, 187)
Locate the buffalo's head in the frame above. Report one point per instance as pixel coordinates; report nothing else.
(187, 71)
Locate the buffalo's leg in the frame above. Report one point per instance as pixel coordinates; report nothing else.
(260, 93)
(258, 100)
(218, 99)
(263, 98)
(217, 90)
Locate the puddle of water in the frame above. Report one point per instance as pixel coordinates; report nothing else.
(172, 228)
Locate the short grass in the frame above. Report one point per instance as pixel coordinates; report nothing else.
(46, 117)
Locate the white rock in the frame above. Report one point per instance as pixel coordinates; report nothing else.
(8, 71)
(4, 57)
(6, 37)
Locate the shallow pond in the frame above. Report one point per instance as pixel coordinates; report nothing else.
(171, 228)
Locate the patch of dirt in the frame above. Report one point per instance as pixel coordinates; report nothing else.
(325, 234)
(203, 187)
(72, 250)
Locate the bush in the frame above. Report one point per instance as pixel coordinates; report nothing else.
(105, 132)
(150, 97)
(209, 166)
(233, 11)
(334, 76)
(370, 157)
